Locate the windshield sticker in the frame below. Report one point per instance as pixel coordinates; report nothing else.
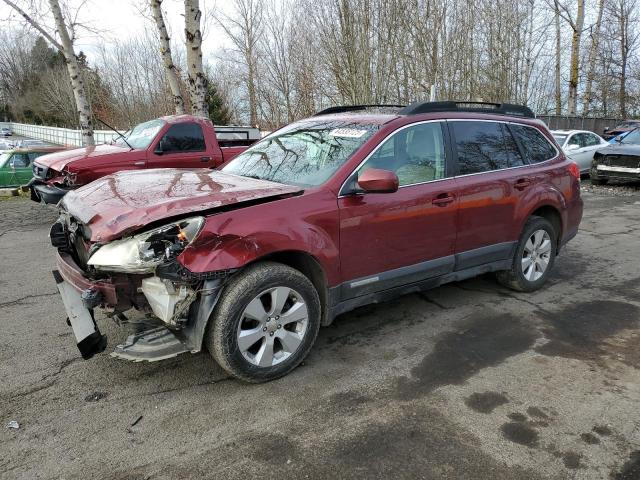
(347, 132)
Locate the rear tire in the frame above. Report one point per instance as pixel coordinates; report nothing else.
(265, 322)
(534, 257)
(599, 181)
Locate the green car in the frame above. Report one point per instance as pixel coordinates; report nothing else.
(16, 165)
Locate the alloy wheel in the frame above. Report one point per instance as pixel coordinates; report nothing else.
(536, 255)
(273, 326)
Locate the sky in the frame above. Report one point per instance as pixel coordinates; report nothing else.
(121, 19)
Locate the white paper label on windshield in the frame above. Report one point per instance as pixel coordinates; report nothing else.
(347, 132)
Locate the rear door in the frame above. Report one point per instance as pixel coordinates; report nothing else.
(490, 184)
(181, 146)
(585, 144)
(392, 239)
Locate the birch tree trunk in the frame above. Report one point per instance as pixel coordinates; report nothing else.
(167, 58)
(65, 46)
(575, 58)
(591, 66)
(196, 78)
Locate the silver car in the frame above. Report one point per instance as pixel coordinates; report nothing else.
(579, 146)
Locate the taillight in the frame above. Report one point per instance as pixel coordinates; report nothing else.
(574, 170)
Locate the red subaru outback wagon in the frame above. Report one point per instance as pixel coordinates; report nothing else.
(355, 205)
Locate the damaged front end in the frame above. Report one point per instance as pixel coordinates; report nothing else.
(139, 282)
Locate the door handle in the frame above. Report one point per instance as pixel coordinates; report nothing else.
(443, 200)
(139, 164)
(522, 184)
(205, 159)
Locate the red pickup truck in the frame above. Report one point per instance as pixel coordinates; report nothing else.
(182, 141)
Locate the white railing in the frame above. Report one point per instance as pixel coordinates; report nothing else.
(73, 138)
(59, 136)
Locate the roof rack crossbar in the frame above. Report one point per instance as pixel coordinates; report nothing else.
(354, 108)
(482, 107)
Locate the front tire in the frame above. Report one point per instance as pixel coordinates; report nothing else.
(534, 257)
(598, 181)
(265, 322)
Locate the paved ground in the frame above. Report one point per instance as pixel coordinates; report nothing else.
(465, 381)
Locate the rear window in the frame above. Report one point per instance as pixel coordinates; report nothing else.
(535, 145)
(484, 146)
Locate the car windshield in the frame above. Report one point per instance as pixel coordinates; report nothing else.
(305, 154)
(142, 135)
(560, 139)
(632, 137)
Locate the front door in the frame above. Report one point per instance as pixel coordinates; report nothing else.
(391, 239)
(181, 146)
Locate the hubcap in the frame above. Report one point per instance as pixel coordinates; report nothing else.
(536, 255)
(272, 326)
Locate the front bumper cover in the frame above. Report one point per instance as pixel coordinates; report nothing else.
(43, 193)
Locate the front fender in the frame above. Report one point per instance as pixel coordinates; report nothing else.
(308, 223)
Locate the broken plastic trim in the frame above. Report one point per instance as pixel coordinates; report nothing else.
(175, 271)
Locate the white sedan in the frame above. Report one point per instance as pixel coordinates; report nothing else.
(579, 146)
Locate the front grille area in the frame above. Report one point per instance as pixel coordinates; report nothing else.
(40, 171)
(67, 236)
(629, 161)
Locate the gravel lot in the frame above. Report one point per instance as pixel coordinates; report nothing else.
(465, 381)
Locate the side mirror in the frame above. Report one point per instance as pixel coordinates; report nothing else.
(572, 147)
(375, 180)
(606, 129)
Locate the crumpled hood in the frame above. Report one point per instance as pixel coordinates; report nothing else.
(127, 201)
(57, 161)
(621, 149)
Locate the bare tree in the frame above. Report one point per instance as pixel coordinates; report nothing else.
(558, 64)
(65, 46)
(244, 29)
(577, 25)
(591, 62)
(167, 58)
(195, 71)
(624, 16)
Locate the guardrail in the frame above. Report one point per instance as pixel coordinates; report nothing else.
(59, 136)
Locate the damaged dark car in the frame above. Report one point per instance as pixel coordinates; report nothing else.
(620, 161)
(337, 211)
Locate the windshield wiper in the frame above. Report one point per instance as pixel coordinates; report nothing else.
(117, 132)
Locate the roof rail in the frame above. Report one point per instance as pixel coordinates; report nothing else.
(353, 108)
(481, 107)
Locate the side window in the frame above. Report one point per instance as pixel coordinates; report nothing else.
(483, 147)
(183, 137)
(515, 158)
(591, 140)
(574, 140)
(416, 154)
(535, 145)
(19, 160)
(34, 155)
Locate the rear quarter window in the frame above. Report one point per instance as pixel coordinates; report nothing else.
(534, 144)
